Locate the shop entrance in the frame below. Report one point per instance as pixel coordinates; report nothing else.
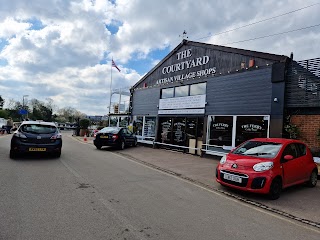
(180, 132)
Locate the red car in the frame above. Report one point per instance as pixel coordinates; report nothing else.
(267, 165)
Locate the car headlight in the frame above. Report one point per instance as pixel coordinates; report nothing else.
(263, 166)
(223, 159)
(19, 135)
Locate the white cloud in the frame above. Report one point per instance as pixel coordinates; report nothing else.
(10, 27)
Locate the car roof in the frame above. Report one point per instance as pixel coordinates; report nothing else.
(39, 122)
(276, 140)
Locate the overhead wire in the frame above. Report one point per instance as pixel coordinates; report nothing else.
(260, 21)
(271, 35)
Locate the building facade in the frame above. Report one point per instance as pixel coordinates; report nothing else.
(209, 97)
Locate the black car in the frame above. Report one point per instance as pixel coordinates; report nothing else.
(36, 137)
(114, 136)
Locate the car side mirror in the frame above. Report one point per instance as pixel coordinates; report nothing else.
(287, 158)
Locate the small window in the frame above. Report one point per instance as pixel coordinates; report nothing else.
(167, 93)
(290, 150)
(182, 91)
(198, 89)
(302, 150)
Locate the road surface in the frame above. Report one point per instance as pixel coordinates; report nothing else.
(92, 194)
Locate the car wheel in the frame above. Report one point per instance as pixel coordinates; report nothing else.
(313, 179)
(58, 154)
(275, 189)
(122, 145)
(13, 154)
(98, 147)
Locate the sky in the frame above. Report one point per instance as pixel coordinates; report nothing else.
(62, 49)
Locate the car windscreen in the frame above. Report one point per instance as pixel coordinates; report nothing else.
(38, 128)
(259, 148)
(113, 130)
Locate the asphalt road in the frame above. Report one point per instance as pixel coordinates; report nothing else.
(92, 194)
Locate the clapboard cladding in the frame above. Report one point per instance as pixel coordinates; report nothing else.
(145, 102)
(192, 60)
(302, 86)
(247, 93)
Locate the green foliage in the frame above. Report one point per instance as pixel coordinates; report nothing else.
(84, 123)
(4, 114)
(290, 130)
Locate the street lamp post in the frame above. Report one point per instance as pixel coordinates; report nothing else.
(23, 97)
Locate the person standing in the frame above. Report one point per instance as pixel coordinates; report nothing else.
(9, 125)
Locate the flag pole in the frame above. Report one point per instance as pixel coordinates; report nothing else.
(110, 92)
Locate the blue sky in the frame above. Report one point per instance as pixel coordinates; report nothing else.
(62, 50)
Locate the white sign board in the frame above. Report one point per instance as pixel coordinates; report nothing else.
(182, 111)
(198, 101)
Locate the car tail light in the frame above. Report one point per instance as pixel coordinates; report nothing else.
(115, 136)
(19, 135)
(56, 136)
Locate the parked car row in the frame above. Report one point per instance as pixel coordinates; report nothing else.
(260, 165)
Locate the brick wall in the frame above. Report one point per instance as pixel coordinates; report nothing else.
(308, 126)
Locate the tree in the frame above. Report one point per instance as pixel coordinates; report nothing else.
(40, 111)
(1, 102)
(69, 114)
(3, 114)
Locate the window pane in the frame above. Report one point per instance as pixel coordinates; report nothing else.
(182, 91)
(149, 128)
(137, 125)
(123, 121)
(198, 89)
(167, 93)
(165, 130)
(220, 130)
(251, 127)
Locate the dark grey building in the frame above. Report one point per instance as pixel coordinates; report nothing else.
(203, 96)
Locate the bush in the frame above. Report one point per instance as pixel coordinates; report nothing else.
(84, 123)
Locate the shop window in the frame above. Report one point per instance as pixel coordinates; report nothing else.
(198, 89)
(165, 132)
(149, 128)
(113, 121)
(167, 93)
(181, 91)
(249, 127)
(220, 131)
(137, 125)
(123, 121)
(179, 134)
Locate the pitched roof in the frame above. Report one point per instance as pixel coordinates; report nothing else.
(262, 55)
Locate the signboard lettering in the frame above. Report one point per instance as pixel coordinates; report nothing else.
(184, 65)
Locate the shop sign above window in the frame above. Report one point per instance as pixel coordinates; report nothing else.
(197, 101)
(186, 63)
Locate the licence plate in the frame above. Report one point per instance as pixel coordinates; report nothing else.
(103, 136)
(37, 149)
(231, 177)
